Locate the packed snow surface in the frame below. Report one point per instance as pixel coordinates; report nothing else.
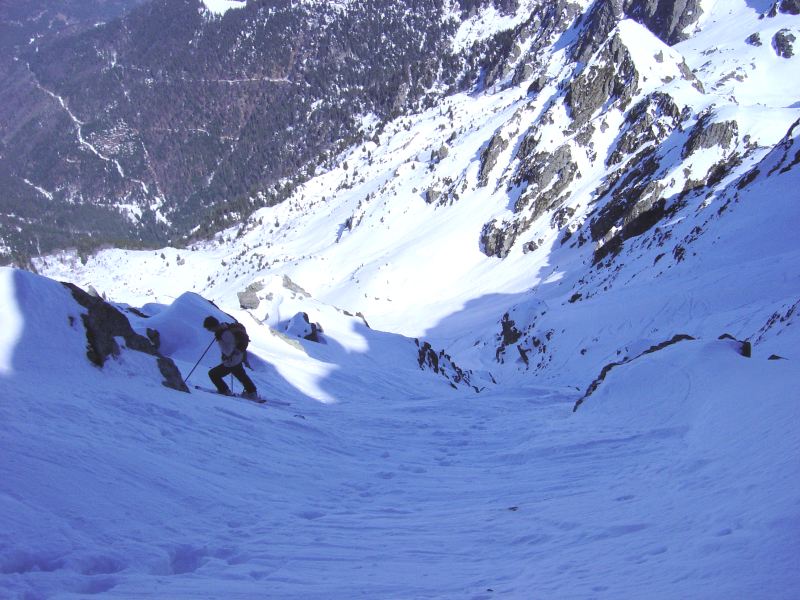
(114, 484)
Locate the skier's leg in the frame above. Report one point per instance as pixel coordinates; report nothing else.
(240, 374)
(216, 375)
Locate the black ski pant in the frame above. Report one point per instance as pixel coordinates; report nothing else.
(218, 373)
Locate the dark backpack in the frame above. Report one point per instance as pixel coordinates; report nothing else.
(240, 333)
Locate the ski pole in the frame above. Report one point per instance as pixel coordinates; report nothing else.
(198, 362)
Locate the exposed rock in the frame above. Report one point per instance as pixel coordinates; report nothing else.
(783, 43)
(442, 364)
(650, 121)
(667, 19)
(790, 7)
(155, 337)
(537, 85)
(547, 175)
(300, 326)
(440, 154)
(104, 323)
(489, 157)
(708, 134)
(601, 20)
(293, 287)
(743, 347)
(613, 77)
(754, 39)
(497, 239)
(248, 300)
(432, 195)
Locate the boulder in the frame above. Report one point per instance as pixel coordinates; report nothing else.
(300, 326)
(783, 43)
(104, 323)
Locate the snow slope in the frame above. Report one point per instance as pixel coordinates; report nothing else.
(117, 486)
(674, 478)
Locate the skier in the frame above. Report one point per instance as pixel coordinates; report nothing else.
(234, 348)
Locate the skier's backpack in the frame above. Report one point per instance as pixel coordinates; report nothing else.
(240, 333)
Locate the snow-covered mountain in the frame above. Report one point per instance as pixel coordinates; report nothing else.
(556, 332)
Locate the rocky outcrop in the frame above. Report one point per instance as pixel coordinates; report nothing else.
(300, 326)
(601, 20)
(498, 238)
(649, 122)
(489, 157)
(105, 325)
(613, 77)
(442, 364)
(783, 43)
(634, 207)
(248, 299)
(708, 133)
(787, 7)
(667, 19)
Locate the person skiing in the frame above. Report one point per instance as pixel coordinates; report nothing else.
(233, 357)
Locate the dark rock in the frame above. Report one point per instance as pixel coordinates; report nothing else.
(708, 134)
(790, 7)
(613, 78)
(510, 334)
(172, 376)
(442, 364)
(783, 43)
(104, 323)
(650, 121)
(432, 195)
(667, 19)
(602, 18)
(537, 85)
(497, 239)
(540, 171)
(300, 326)
(489, 157)
(754, 39)
(155, 337)
(775, 357)
(743, 347)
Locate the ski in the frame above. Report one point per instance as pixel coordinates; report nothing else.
(257, 400)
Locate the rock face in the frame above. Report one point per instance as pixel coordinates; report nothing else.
(667, 19)
(442, 364)
(489, 157)
(790, 7)
(783, 43)
(104, 324)
(708, 134)
(248, 299)
(613, 77)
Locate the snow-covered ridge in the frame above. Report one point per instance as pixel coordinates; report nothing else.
(220, 7)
